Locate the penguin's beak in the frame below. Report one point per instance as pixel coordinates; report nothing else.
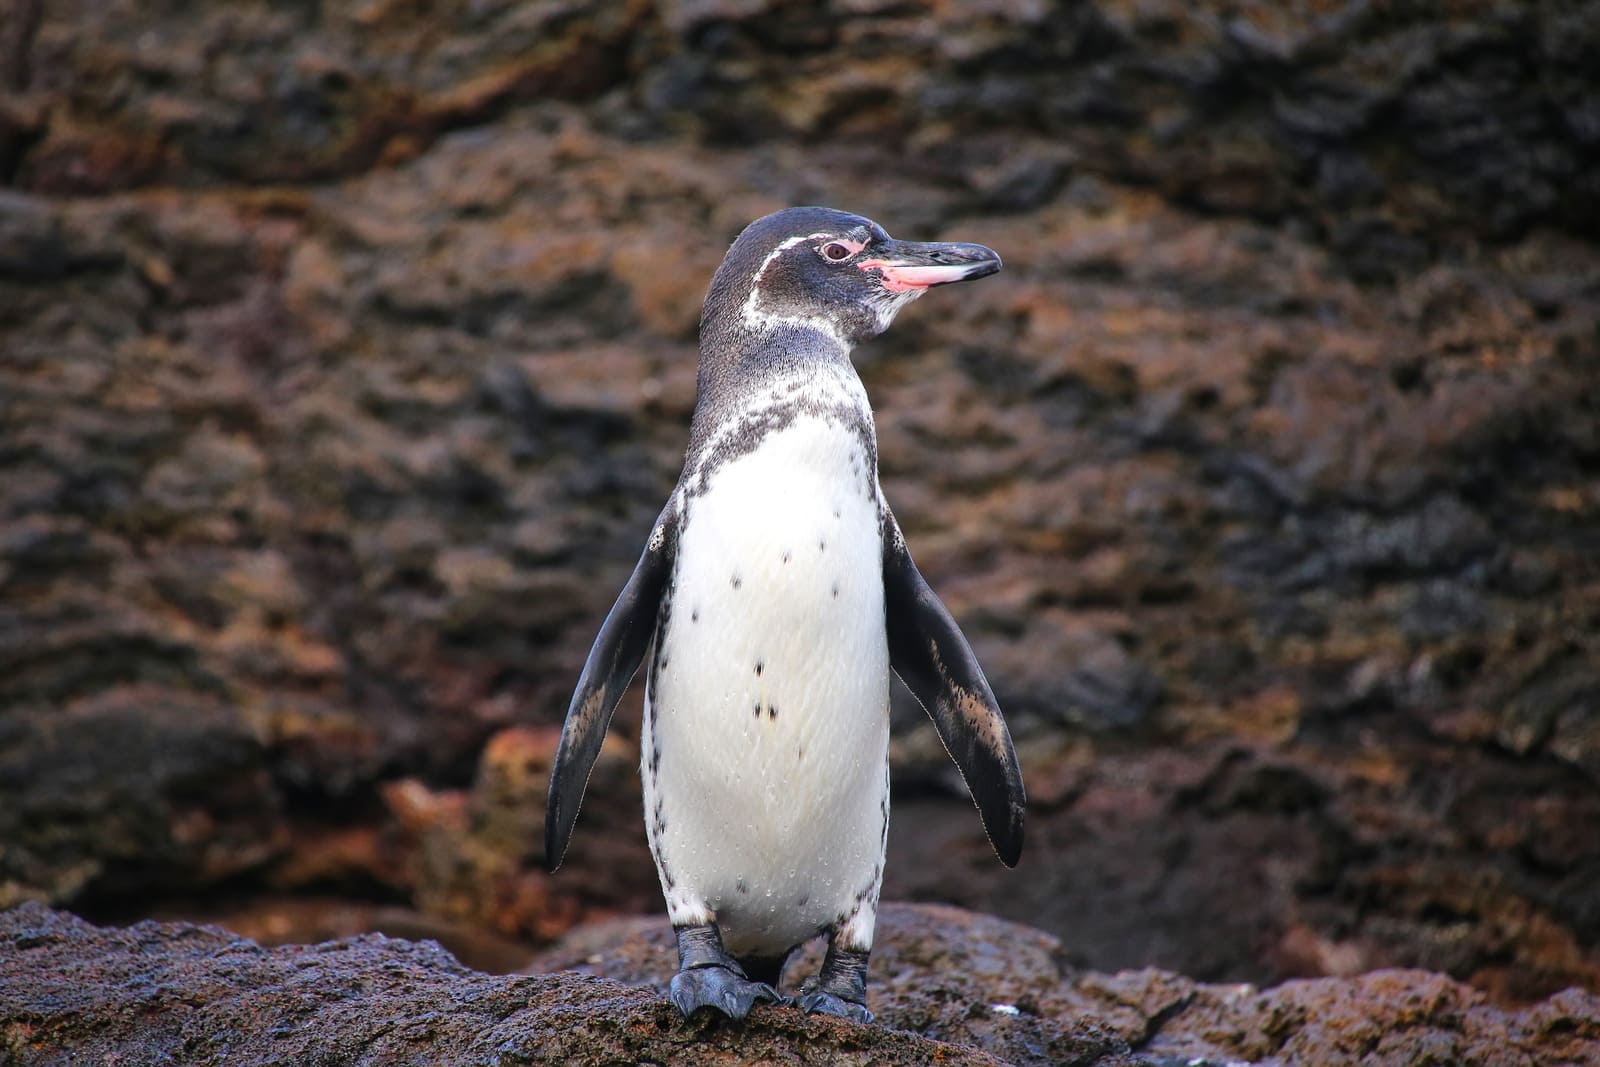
(912, 266)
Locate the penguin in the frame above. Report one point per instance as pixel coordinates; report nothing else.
(773, 599)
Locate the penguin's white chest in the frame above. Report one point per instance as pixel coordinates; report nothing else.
(765, 753)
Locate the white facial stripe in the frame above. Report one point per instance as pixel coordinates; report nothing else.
(766, 321)
(784, 246)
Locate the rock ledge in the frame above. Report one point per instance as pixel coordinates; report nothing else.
(953, 987)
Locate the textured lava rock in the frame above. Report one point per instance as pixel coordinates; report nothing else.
(958, 988)
(1386, 127)
(164, 993)
(1010, 990)
(348, 354)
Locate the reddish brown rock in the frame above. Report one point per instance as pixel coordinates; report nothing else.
(479, 860)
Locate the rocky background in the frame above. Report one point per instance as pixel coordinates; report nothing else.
(347, 353)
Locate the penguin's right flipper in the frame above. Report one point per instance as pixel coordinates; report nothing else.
(931, 655)
(617, 652)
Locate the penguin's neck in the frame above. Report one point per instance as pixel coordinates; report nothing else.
(764, 391)
(741, 348)
(740, 366)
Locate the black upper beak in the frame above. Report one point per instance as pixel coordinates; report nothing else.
(914, 265)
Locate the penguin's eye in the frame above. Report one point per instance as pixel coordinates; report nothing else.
(837, 251)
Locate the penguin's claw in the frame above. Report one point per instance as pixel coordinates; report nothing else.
(820, 1002)
(720, 989)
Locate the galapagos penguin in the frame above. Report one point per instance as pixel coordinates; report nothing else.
(773, 598)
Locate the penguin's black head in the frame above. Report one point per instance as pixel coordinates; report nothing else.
(828, 272)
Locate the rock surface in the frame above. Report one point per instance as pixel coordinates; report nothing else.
(1011, 991)
(348, 354)
(954, 988)
(172, 993)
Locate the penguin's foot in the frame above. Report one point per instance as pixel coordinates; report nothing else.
(722, 989)
(819, 1002)
(710, 978)
(841, 987)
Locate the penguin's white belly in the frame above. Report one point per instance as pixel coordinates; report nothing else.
(765, 751)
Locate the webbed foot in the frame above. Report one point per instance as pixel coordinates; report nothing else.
(841, 987)
(710, 978)
(821, 1002)
(722, 989)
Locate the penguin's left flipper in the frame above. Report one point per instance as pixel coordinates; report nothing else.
(623, 640)
(930, 654)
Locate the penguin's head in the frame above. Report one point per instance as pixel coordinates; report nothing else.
(831, 273)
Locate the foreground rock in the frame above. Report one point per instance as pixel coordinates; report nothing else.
(171, 993)
(1008, 989)
(952, 987)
